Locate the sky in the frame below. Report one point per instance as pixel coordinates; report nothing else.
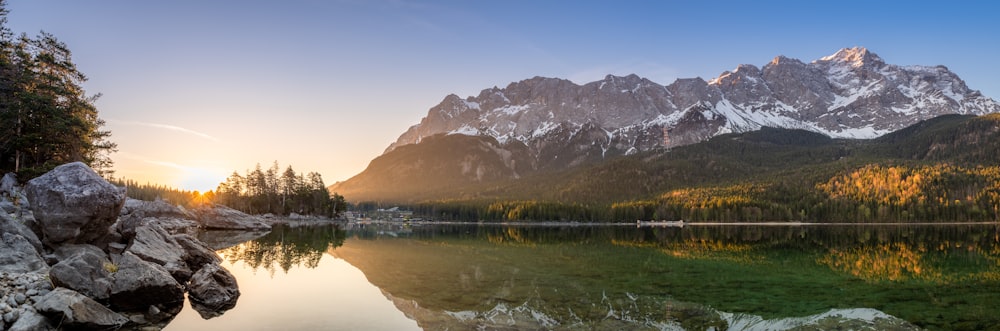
(195, 90)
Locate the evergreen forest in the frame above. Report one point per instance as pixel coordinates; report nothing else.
(941, 170)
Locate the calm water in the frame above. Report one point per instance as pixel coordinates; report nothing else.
(468, 277)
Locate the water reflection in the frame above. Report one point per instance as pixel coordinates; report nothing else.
(286, 248)
(312, 291)
(576, 277)
(555, 277)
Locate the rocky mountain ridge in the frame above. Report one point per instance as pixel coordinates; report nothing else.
(853, 93)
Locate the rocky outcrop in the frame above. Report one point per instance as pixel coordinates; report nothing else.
(73, 204)
(77, 311)
(217, 217)
(137, 260)
(152, 243)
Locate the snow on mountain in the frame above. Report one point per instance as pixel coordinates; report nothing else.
(853, 93)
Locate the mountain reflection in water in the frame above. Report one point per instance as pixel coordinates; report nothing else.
(466, 277)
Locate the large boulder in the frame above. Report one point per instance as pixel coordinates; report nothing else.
(217, 217)
(152, 243)
(139, 284)
(212, 291)
(73, 204)
(17, 255)
(85, 269)
(76, 311)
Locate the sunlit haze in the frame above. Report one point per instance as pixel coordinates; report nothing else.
(194, 90)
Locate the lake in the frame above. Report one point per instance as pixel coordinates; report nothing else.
(582, 277)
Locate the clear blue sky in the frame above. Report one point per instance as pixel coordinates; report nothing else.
(193, 90)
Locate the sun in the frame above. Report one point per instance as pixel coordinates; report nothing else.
(200, 179)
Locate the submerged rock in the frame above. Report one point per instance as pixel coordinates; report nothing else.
(77, 311)
(212, 291)
(73, 204)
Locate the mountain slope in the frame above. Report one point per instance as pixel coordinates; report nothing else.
(943, 169)
(538, 130)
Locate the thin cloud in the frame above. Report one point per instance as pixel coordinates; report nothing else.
(169, 127)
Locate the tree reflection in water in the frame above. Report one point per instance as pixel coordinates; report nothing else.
(938, 277)
(286, 247)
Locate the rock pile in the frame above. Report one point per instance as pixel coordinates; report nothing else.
(75, 258)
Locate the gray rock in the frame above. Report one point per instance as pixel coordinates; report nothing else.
(87, 270)
(11, 316)
(12, 225)
(73, 204)
(139, 284)
(213, 290)
(7, 206)
(17, 255)
(152, 243)
(20, 298)
(196, 253)
(155, 209)
(75, 310)
(31, 321)
(8, 183)
(217, 217)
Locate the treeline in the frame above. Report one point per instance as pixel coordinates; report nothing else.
(279, 192)
(46, 118)
(151, 192)
(871, 193)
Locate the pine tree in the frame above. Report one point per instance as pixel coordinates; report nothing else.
(46, 117)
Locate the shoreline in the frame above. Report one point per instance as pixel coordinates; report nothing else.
(651, 224)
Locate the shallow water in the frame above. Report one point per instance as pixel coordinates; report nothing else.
(467, 277)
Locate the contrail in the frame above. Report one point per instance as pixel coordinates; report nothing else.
(168, 127)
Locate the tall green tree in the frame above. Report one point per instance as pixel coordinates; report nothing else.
(46, 117)
(260, 192)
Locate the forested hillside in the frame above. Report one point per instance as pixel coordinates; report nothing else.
(944, 169)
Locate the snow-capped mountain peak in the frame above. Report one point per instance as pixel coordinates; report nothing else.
(852, 93)
(855, 57)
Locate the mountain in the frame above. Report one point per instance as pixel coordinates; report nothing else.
(942, 169)
(850, 94)
(547, 125)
